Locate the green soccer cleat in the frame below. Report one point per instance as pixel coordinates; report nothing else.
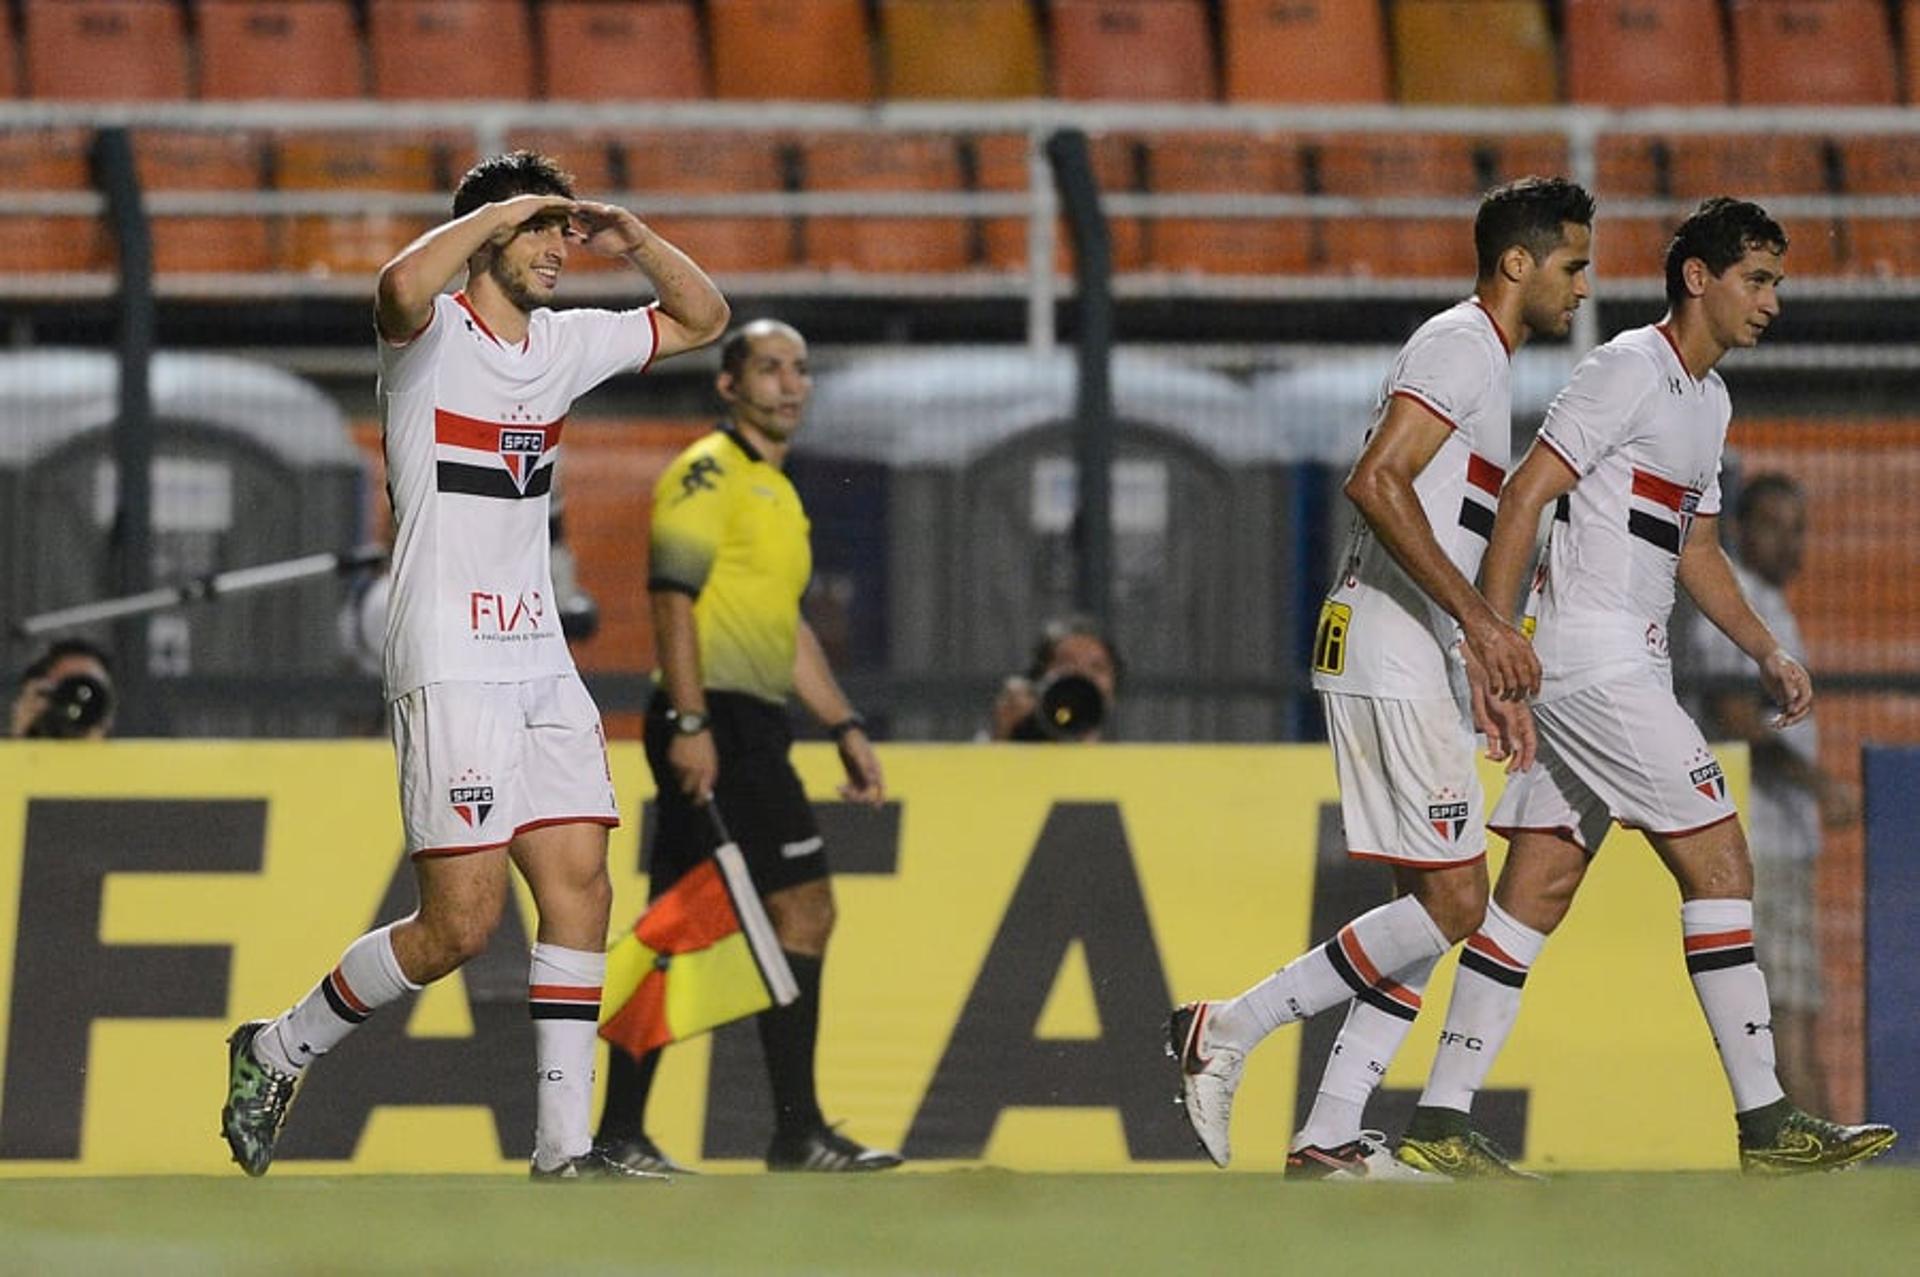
(258, 1098)
(1469, 1156)
(1808, 1143)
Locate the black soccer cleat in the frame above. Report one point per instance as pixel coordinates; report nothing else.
(593, 1164)
(826, 1149)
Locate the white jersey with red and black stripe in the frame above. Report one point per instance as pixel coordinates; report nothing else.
(1644, 438)
(472, 434)
(1380, 635)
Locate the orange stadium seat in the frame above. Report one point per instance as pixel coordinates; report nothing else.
(616, 50)
(1000, 164)
(299, 49)
(595, 163)
(1757, 166)
(1132, 50)
(893, 164)
(791, 50)
(105, 50)
(50, 160)
(1331, 51)
(1827, 52)
(1882, 166)
(1629, 53)
(1910, 49)
(1410, 166)
(1218, 164)
(352, 243)
(445, 49)
(1474, 52)
(168, 161)
(714, 164)
(960, 49)
(1631, 166)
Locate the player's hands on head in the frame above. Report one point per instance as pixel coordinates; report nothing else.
(865, 783)
(606, 229)
(696, 763)
(1507, 662)
(519, 210)
(1790, 686)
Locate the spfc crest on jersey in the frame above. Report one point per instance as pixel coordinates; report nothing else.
(471, 797)
(1447, 813)
(1705, 775)
(521, 450)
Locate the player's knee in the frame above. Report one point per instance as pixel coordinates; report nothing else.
(454, 939)
(805, 923)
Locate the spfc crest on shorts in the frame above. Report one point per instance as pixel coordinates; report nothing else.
(1709, 780)
(471, 798)
(1447, 813)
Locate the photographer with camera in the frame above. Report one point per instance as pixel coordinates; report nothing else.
(1067, 692)
(65, 694)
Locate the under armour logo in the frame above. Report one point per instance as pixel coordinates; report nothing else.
(1755, 1030)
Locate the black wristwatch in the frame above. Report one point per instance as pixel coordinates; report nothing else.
(688, 722)
(851, 723)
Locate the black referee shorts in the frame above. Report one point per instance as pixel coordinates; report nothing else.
(759, 796)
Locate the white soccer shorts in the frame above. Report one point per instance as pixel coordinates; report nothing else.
(1620, 750)
(1409, 790)
(482, 762)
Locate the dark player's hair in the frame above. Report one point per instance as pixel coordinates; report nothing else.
(1061, 628)
(1720, 232)
(59, 650)
(1530, 213)
(738, 344)
(502, 177)
(1771, 483)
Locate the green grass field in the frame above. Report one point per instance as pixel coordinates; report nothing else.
(962, 1222)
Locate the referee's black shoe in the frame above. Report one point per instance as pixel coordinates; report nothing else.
(639, 1153)
(825, 1149)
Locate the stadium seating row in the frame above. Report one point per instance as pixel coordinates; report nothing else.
(1490, 52)
(1448, 166)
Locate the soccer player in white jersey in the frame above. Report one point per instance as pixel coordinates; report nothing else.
(1405, 642)
(501, 755)
(1629, 459)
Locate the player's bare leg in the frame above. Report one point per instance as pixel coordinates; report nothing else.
(1715, 875)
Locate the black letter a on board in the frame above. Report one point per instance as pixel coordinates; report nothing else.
(1079, 885)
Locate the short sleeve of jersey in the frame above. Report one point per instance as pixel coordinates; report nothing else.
(1710, 499)
(1447, 372)
(405, 366)
(1594, 414)
(689, 518)
(610, 342)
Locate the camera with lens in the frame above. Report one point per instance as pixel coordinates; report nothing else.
(1067, 707)
(75, 706)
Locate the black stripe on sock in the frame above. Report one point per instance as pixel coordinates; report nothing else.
(339, 1004)
(1718, 959)
(1483, 965)
(1343, 967)
(564, 1010)
(1381, 1002)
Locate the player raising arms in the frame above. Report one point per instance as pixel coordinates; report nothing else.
(1402, 636)
(501, 756)
(1629, 457)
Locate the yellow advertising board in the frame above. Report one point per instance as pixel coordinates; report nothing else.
(1012, 928)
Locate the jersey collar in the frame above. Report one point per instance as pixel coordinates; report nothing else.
(1504, 343)
(466, 304)
(740, 441)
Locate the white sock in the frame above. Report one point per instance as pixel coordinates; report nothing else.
(1376, 1025)
(1486, 1001)
(367, 978)
(1733, 993)
(563, 996)
(1380, 943)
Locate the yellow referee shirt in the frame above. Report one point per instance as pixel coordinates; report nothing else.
(728, 530)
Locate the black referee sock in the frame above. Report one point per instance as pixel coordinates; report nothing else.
(788, 1035)
(629, 1082)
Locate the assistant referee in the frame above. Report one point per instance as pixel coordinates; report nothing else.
(730, 559)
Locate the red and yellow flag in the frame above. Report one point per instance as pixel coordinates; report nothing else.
(702, 955)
